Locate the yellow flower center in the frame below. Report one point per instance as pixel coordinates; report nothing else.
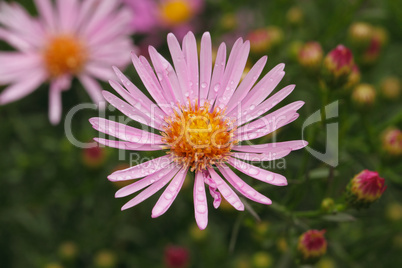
(198, 137)
(175, 12)
(65, 54)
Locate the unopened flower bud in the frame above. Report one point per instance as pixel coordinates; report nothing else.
(394, 212)
(327, 205)
(364, 95)
(105, 259)
(338, 65)
(365, 188)
(353, 78)
(94, 157)
(310, 56)
(259, 41)
(381, 35)
(391, 88)
(262, 259)
(68, 250)
(392, 141)
(360, 34)
(312, 245)
(295, 15)
(372, 53)
(176, 257)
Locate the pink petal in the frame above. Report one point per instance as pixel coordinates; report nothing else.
(130, 111)
(55, 106)
(170, 193)
(218, 72)
(226, 191)
(200, 201)
(126, 145)
(191, 56)
(268, 128)
(166, 75)
(243, 187)
(258, 173)
(67, 12)
(94, 90)
(47, 13)
(24, 87)
(264, 87)
(141, 170)
(261, 148)
(233, 74)
(125, 132)
(15, 40)
(99, 71)
(156, 186)
(16, 65)
(148, 180)
(180, 65)
(266, 156)
(213, 190)
(253, 112)
(150, 82)
(205, 66)
(246, 84)
(273, 119)
(135, 97)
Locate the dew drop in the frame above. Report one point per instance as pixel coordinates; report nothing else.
(168, 196)
(217, 87)
(252, 107)
(253, 171)
(203, 85)
(201, 208)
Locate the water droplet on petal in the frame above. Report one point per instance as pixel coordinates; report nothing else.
(253, 171)
(204, 85)
(201, 208)
(217, 87)
(168, 196)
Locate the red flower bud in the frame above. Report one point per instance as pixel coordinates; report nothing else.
(310, 56)
(312, 245)
(365, 188)
(176, 257)
(392, 141)
(338, 64)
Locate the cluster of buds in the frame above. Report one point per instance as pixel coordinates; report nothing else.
(310, 56)
(368, 41)
(265, 39)
(364, 95)
(338, 66)
(365, 188)
(311, 246)
(391, 88)
(392, 141)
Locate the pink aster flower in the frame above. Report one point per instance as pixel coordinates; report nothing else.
(176, 15)
(203, 113)
(312, 245)
(80, 38)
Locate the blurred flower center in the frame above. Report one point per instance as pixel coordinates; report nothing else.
(175, 12)
(198, 137)
(64, 55)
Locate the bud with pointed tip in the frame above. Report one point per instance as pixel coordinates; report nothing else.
(328, 205)
(312, 245)
(338, 65)
(365, 188)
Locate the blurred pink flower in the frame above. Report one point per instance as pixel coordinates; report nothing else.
(81, 38)
(173, 15)
(202, 113)
(176, 257)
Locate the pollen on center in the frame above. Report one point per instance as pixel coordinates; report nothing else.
(64, 54)
(198, 137)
